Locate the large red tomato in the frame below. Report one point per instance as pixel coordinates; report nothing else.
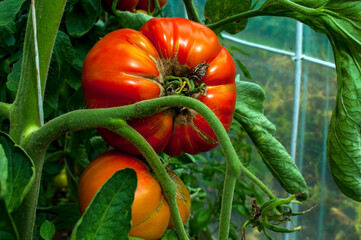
(128, 66)
(150, 210)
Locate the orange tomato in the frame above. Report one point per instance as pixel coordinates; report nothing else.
(150, 210)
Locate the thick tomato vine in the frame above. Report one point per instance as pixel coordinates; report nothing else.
(150, 210)
(167, 56)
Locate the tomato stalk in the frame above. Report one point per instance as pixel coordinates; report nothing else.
(170, 191)
(183, 86)
(191, 11)
(236, 18)
(157, 8)
(94, 118)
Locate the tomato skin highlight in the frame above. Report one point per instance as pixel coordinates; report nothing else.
(126, 67)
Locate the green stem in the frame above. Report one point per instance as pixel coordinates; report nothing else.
(157, 8)
(258, 182)
(5, 110)
(93, 118)
(234, 18)
(296, 7)
(169, 189)
(24, 113)
(24, 217)
(192, 11)
(57, 155)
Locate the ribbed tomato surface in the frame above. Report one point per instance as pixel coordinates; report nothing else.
(129, 66)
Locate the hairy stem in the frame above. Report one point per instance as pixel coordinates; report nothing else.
(234, 18)
(192, 11)
(24, 113)
(93, 118)
(296, 7)
(5, 110)
(169, 189)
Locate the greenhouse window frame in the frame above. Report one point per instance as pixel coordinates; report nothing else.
(297, 57)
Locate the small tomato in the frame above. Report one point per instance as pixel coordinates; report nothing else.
(61, 180)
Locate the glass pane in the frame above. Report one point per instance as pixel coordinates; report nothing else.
(274, 32)
(275, 74)
(317, 45)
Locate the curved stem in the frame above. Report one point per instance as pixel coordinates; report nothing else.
(258, 182)
(57, 155)
(192, 11)
(170, 191)
(5, 110)
(157, 8)
(296, 7)
(234, 18)
(93, 118)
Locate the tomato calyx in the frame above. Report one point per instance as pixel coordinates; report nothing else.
(183, 86)
(178, 79)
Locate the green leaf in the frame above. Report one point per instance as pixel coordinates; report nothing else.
(66, 215)
(9, 8)
(249, 112)
(8, 229)
(125, 19)
(47, 230)
(108, 216)
(62, 60)
(216, 10)
(82, 16)
(170, 234)
(340, 20)
(14, 77)
(200, 220)
(21, 172)
(3, 172)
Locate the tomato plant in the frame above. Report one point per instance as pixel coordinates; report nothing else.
(159, 87)
(150, 210)
(163, 59)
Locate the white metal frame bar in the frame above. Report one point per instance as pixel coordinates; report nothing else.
(279, 51)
